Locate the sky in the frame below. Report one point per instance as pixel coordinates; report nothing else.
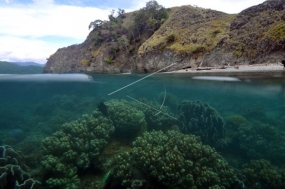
(32, 30)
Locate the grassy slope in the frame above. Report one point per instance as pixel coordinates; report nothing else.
(195, 29)
(257, 30)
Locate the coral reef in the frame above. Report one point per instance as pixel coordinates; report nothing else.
(262, 174)
(59, 109)
(252, 111)
(262, 141)
(169, 99)
(10, 118)
(60, 174)
(125, 117)
(198, 118)
(13, 171)
(233, 122)
(76, 146)
(157, 117)
(173, 160)
(13, 137)
(232, 125)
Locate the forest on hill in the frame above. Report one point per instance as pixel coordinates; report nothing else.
(13, 68)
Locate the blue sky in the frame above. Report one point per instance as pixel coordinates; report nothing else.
(32, 30)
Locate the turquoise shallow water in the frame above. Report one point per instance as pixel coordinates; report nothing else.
(241, 118)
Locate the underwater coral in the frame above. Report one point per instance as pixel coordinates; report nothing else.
(262, 174)
(76, 146)
(198, 118)
(172, 159)
(262, 141)
(13, 171)
(126, 118)
(157, 116)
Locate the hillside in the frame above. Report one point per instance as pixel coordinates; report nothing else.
(28, 64)
(154, 37)
(11, 68)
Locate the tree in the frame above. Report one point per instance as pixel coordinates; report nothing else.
(121, 13)
(150, 17)
(96, 24)
(111, 17)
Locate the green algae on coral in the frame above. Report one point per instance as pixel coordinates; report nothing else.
(157, 117)
(262, 174)
(173, 160)
(125, 117)
(76, 146)
(234, 122)
(198, 118)
(261, 140)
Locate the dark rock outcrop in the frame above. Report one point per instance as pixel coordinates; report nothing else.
(256, 35)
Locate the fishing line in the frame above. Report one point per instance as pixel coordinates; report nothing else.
(143, 86)
(141, 79)
(150, 106)
(162, 101)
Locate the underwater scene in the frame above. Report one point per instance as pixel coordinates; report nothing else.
(164, 131)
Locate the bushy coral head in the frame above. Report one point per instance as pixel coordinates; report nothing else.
(125, 117)
(174, 159)
(76, 146)
(198, 118)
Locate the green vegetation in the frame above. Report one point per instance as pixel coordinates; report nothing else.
(199, 49)
(10, 68)
(170, 39)
(277, 32)
(109, 59)
(85, 62)
(129, 40)
(216, 32)
(237, 53)
(125, 33)
(96, 24)
(189, 31)
(149, 19)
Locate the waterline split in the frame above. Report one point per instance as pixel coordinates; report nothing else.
(141, 79)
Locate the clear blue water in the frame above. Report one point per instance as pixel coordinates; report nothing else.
(34, 107)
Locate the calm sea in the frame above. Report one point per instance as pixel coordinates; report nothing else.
(34, 107)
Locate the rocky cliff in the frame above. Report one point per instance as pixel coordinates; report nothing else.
(190, 36)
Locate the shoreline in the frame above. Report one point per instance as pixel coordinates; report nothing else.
(274, 67)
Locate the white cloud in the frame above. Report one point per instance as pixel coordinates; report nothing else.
(43, 2)
(59, 20)
(23, 27)
(19, 49)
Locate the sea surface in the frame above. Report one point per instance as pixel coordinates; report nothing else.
(134, 131)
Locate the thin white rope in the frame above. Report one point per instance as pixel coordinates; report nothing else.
(151, 107)
(162, 101)
(141, 79)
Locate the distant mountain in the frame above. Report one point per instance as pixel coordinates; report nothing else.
(28, 64)
(13, 68)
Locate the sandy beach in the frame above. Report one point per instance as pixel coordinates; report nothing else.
(274, 67)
